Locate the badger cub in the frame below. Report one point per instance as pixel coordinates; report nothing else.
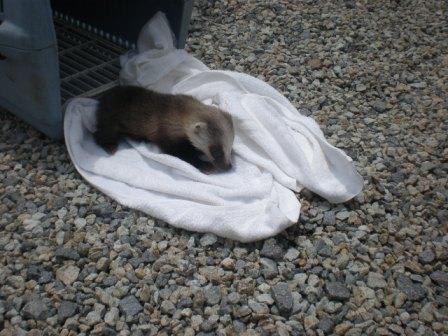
(180, 125)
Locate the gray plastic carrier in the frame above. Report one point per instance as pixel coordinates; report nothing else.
(51, 51)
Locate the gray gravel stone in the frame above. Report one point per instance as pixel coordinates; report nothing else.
(426, 314)
(67, 274)
(66, 309)
(130, 306)
(208, 239)
(413, 291)
(108, 331)
(66, 254)
(329, 218)
(110, 281)
(213, 295)
(35, 309)
(80, 223)
(439, 277)
(265, 298)
(103, 209)
(269, 268)
(292, 254)
(342, 215)
(283, 298)
(376, 280)
(45, 277)
(426, 256)
(257, 307)
(323, 249)
(272, 250)
(167, 307)
(93, 318)
(185, 303)
(326, 324)
(111, 317)
(379, 106)
(360, 87)
(337, 291)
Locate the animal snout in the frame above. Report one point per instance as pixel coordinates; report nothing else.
(227, 166)
(223, 165)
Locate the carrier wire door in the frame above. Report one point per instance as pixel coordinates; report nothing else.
(88, 63)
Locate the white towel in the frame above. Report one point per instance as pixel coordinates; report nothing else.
(277, 151)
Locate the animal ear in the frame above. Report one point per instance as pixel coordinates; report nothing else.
(200, 128)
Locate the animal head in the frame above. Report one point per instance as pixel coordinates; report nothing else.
(213, 135)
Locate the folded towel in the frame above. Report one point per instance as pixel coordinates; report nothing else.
(277, 151)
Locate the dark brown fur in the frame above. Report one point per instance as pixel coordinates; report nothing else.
(138, 113)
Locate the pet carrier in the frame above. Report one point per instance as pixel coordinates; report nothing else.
(51, 51)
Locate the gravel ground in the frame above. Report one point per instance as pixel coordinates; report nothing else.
(374, 75)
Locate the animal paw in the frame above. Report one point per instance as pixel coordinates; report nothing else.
(111, 149)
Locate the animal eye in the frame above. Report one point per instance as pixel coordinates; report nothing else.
(216, 152)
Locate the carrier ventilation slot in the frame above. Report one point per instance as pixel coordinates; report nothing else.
(88, 58)
(93, 30)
